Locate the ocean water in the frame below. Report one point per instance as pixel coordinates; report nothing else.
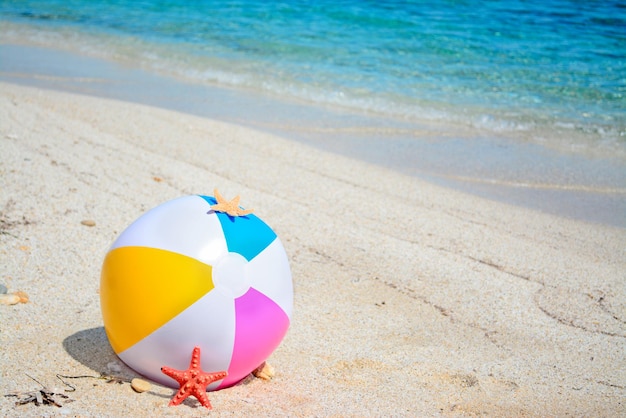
(449, 81)
(517, 66)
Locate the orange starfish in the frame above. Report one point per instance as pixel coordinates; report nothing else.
(193, 381)
(231, 208)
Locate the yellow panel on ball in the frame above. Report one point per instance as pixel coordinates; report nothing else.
(143, 288)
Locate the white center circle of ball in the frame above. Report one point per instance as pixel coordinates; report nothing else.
(230, 273)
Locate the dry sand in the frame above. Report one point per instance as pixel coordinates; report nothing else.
(410, 299)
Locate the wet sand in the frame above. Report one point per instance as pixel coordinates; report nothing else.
(553, 172)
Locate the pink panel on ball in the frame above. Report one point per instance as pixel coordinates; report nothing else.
(260, 326)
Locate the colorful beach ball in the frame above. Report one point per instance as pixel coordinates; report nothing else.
(183, 275)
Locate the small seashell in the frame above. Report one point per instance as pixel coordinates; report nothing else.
(88, 222)
(265, 371)
(22, 295)
(140, 385)
(3, 289)
(10, 299)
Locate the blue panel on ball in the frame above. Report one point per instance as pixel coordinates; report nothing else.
(246, 235)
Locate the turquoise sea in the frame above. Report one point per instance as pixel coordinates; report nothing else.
(518, 99)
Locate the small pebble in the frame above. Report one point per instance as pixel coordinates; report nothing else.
(88, 222)
(3, 289)
(10, 299)
(140, 385)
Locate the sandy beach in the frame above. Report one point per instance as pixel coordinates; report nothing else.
(410, 299)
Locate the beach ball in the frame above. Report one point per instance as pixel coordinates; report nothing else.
(185, 275)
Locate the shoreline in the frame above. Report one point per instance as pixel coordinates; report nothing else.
(590, 188)
(410, 299)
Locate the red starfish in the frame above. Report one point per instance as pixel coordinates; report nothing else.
(193, 381)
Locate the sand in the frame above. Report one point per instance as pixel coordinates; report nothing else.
(410, 299)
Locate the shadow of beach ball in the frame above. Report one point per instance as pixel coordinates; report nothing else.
(182, 276)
